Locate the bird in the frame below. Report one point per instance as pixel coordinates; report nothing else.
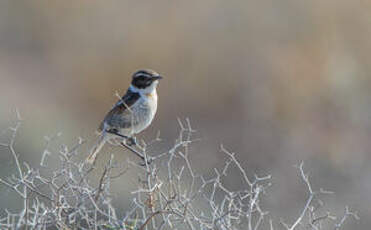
(132, 114)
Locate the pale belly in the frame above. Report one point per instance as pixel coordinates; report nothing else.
(143, 114)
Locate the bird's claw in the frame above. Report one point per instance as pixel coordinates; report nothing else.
(149, 161)
(131, 141)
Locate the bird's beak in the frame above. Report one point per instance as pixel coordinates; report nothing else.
(157, 77)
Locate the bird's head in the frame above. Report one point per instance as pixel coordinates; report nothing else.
(145, 80)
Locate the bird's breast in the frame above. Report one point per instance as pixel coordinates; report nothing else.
(144, 112)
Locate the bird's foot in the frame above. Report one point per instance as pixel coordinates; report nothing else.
(149, 161)
(131, 141)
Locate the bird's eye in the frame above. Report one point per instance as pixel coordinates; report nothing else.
(141, 78)
(142, 82)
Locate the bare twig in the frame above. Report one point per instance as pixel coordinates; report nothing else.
(171, 194)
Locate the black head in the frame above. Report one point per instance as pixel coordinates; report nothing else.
(144, 78)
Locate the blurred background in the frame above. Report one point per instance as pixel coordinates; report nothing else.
(276, 82)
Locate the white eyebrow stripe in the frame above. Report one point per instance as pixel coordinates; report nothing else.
(143, 74)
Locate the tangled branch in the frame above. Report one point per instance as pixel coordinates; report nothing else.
(170, 193)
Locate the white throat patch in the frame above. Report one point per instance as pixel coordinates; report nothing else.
(148, 90)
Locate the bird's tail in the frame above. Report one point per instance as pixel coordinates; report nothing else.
(96, 148)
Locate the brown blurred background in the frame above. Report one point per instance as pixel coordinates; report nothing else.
(276, 82)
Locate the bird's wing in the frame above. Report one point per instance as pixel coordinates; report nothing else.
(120, 116)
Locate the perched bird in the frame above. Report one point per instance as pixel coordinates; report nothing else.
(132, 114)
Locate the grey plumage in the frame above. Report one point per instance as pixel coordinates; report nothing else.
(121, 115)
(133, 113)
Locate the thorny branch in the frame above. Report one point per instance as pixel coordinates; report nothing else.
(170, 194)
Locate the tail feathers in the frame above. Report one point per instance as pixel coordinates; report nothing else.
(96, 148)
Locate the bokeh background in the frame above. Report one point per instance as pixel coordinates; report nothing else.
(276, 82)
